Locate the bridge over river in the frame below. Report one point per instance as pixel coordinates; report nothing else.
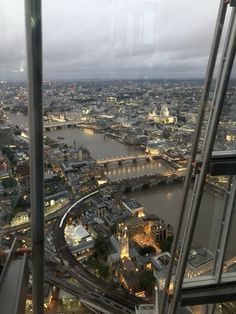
(57, 125)
(147, 181)
(121, 159)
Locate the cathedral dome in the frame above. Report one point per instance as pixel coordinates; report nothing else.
(164, 111)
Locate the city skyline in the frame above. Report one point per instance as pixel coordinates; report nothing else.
(112, 40)
(119, 191)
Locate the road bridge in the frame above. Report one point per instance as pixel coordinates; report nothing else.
(50, 126)
(55, 125)
(121, 159)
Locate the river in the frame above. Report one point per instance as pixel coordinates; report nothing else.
(163, 200)
(102, 147)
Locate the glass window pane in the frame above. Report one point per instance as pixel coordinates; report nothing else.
(229, 269)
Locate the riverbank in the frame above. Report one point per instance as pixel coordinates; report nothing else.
(162, 200)
(101, 147)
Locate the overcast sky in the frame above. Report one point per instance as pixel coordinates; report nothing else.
(112, 38)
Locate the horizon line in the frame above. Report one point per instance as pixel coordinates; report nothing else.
(105, 79)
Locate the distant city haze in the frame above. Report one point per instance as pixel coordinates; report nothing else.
(112, 39)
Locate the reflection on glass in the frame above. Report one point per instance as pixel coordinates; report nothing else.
(229, 269)
(203, 248)
(226, 134)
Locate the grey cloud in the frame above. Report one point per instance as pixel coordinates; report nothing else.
(113, 38)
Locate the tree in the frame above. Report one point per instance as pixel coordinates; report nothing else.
(147, 281)
(9, 153)
(6, 216)
(103, 270)
(101, 245)
(113, 229)
(147, 250)
(9, 183)
(22, 203)
(17, 132)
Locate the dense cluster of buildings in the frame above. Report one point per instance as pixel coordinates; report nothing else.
(157, 116)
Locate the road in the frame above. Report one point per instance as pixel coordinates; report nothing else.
(27, 225)
(91, 291)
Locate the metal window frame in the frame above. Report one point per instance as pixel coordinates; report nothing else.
(225, 229)
(33, 26)
(217, 104)
(16, 291)
(210, 294)
(34, 61)
(203, 104)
